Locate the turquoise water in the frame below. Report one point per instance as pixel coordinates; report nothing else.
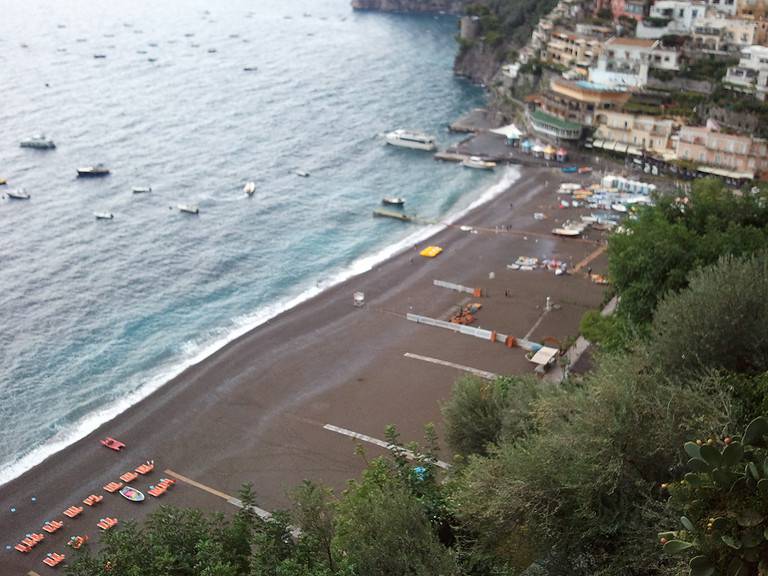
(96, 314)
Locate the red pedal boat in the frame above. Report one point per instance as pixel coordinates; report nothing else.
(113, 444)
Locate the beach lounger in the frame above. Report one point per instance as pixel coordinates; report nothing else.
(73, 511)
(129, 477)
(76, 542)
(146, 468)
(112, 444)
(52, 526)
(28, 541)
(23, 548)
(156, 491)
(93, 499)
(37, 537)
(113, 487)
(53, 559)
(166, 482)
(107, 523)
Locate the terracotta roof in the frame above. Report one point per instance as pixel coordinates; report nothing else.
(631, 42)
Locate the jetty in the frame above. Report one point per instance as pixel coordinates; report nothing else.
(450, 156)
(384, 213)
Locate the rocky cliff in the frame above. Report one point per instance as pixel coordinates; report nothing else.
(449, 6)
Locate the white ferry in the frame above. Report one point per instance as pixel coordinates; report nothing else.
(411, 139)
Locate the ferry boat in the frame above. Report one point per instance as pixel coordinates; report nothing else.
(188, 209)
(479, 163)
(392, 201)
(38, 142)
(104, 215)
(411, 139)
(249, 188)
(93, 171)
(19, 194)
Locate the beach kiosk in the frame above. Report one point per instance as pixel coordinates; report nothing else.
(526, 146)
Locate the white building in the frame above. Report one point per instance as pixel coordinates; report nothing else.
(626, 61)
(751, 75)
(724, 6)
(679, 14)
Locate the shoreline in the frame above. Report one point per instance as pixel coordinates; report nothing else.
(264, 315)
(256, 409)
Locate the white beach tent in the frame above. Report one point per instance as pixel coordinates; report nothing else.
(511, 132)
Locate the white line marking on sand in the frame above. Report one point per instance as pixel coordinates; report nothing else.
(230, 499)
(476, 371)
(375, 441)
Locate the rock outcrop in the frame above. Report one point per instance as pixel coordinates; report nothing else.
(412, 6)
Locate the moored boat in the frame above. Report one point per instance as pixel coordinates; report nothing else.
(411, 139)
(302, 173)
(38, 142)
(104, 215)
(188, 208)
(392, 201)
(141, 189)
(479, 163)
(132, 494)
(19, 194)
(93, 171)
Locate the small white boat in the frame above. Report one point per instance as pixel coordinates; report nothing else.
(188, 208)
(302, 173)
(392, 201)
(93, 171)
(19, 194)
(104, 215)
(141, 189)
(411, 139)
(38, 142)
(249, 188)
(250, 69)
(99, 56)
(619, 208)
(567, 232)
(479, 163)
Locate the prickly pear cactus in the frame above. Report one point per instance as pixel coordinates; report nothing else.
(724, 500)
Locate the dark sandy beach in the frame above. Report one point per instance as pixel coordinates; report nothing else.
(255, 410)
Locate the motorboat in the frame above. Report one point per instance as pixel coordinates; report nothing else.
(249, 188)
(93, 171)
(141, 189)
(132, 494)
(411, 139)
(250, 69)
(38, 142)
(567, 232)
(302, 173)
(617, 207)
(19, 194)
(188, 208)
(104, 215)
(99, 56)
(479, 163)
(392, 201)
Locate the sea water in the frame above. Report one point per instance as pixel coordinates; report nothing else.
(95, 314)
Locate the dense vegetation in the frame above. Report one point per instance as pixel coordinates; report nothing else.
(572, 479)
(509, 21)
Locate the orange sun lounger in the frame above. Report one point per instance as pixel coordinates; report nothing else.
(73, 511)
(93, 499)
(156, 491)
(107, 523)
(23, 548)
(146, 468)
(129, 477)
(53, 559)
(52, 526)
(113, 487)
(76, 542)
(166, 482)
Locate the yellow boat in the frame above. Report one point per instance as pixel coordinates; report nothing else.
(431, 251)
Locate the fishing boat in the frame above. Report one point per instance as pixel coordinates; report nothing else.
(141, 189)
(19, 194)
(93, 171)
(104, 215)
(249, 188)
(479, 163)
(411, 139)
(569, 169)
(585, 170)
(188, 208)
(132, 494)
(392, 201)
(302, 173)
(38, 142)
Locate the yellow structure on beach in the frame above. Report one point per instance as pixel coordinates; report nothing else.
(431, 251)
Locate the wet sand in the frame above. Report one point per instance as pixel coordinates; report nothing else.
(255, 410)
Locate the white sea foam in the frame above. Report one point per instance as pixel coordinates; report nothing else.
(196, 352)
